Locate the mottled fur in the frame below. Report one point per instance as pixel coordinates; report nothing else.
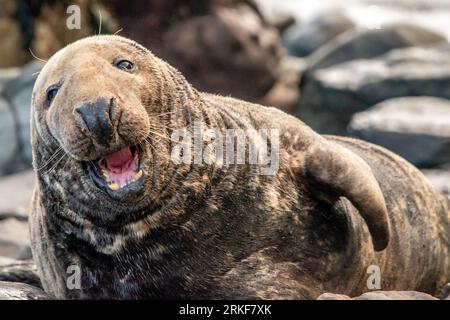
(211, 231)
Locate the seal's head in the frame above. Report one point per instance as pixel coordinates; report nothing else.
(96, 101)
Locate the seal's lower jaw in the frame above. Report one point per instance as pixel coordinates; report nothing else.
(118, 174)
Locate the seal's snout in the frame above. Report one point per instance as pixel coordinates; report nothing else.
(98, 119)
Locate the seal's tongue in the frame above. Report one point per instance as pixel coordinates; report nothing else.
(119, 161)
(120, 168)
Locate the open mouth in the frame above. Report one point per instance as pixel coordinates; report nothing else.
(118, 172)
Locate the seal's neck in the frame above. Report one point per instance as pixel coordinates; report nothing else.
(171, 90)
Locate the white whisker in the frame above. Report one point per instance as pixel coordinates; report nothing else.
(100, 23)
(56, 164)
(36, 57)
(55, 154)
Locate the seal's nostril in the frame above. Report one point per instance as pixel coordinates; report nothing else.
(112, 110)
(97, 118)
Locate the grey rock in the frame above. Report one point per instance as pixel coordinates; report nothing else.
(302, 40)
(395, 295)
(4, 261)
(21, 291)
(278, 18)
(25, 78)
(22, 105)
(440, 178)
(333, 296)
(8, 137)
(17, 191)
(332, 95)
(416, 128)
(19, 271)
(364, 43)
(285, 94)
(14, 239)
(7, 74)
(16, 93)
(380, 295)
(445, 293)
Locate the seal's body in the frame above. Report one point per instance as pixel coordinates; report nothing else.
(111, 204)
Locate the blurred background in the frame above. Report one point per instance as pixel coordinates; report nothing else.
(373, 69)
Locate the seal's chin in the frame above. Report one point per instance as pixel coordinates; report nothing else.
(118, 173)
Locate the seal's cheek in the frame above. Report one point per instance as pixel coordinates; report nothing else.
(39, 127)
(63, 128)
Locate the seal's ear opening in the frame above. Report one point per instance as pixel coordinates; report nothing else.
(335, 172)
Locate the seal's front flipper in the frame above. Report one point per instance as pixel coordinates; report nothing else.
(334, 171)
(19, 271)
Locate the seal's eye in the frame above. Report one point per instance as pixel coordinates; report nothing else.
(51, 94)
(125, 65)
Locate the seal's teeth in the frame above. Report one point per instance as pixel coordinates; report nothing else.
(138, 175)
(113, 186)
(105, 175)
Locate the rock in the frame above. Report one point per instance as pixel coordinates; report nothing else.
(14, 239)
(274, 16)
(364, 43)
(25, 77)
(279, 19)
(17, 94)
(4, 261)
(333, 296)
(445, 292)
(19, 271)
(285, 94)
(18, 190)
(236, 32)
(15, 101)
(8, 138)
(395, 295)
(21, 291)
(416, 128)
(331, 96)
(7, 74)
(380, 295)
(440, 178)
(302, 40)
